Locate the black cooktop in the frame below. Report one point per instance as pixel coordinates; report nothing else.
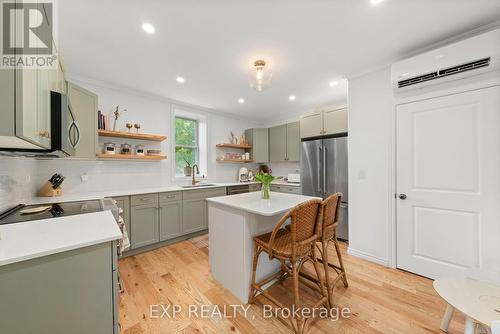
(14, 215)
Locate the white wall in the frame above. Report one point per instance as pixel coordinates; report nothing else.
(21, 177)
(370, 165)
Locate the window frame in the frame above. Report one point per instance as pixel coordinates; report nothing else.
(202, 119)
(197, 142)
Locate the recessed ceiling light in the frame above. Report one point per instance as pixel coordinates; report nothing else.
(334, 83)
(180, 80)
(292, 97)
(376, 2)
(241, 100)
(148, 28)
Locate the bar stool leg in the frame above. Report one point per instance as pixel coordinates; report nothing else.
(329, 289)
(253, 291)
(295, 278)
(324, 293)
(341, 262)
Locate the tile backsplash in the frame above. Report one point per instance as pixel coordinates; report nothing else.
(16, 181)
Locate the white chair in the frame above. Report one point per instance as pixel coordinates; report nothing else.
(495, 327)
(477, 300)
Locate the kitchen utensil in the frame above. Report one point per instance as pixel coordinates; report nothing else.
(243, 175)
(31, 211)
(58, 183)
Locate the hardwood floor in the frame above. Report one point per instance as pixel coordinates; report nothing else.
(381, 300)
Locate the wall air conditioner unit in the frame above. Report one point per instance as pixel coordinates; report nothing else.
(470, 57)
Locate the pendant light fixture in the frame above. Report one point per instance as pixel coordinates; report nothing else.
(260, 76)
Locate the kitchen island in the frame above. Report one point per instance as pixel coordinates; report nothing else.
(232, 223)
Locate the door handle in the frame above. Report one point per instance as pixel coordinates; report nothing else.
(402, 196)
(325, 190)
(319, 168)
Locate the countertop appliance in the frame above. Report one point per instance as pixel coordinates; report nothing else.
(324, 172)
(65, 131)
(243, 174)
(15, 214)
(293, 178)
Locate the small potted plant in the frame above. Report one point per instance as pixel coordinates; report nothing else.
(266, 179)
(188, 170)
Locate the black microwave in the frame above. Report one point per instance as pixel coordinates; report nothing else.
(65, 131)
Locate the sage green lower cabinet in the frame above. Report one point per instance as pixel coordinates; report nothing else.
(170, 220)
(68, 292)
(144, 222)
(286, 189)
(194, 215)
(254, 187)
(195, 210)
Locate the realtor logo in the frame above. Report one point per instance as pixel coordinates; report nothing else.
(27, 35)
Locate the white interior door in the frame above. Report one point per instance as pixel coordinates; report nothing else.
(448, 167)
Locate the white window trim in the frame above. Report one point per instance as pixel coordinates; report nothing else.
(203, 139)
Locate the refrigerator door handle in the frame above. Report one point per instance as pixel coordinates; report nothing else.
(320, 165)
(325, 190)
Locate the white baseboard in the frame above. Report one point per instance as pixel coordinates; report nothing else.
(368, 257)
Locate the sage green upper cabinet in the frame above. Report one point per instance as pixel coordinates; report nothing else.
(284, 142)
(144, 222)
(83, 104)
(259, 139)
(322, 123)
(277, 143)
(335, 121)
(311, 125)
(293, 141)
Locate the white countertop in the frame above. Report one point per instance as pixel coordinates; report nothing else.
(254, 203)
(124, 192)
(285, 183)
(37, 238)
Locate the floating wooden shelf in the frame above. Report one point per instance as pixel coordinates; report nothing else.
(241, 161)
(123, 134)
(131, 157)
(244, 147)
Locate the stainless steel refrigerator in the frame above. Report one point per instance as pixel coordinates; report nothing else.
(324, 172)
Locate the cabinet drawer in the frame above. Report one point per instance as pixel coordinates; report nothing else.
(203, 193)
(255, 187)
(286, 189)
(170, 197)
(144, 199)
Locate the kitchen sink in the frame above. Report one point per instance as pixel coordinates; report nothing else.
(199, 185)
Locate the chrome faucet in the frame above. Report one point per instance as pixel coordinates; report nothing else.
(194, 182)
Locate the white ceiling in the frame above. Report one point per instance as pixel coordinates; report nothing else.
(212, 43)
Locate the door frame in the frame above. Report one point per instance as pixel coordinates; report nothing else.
(487, 80)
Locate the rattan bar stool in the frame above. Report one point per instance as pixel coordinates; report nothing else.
(330, 215)
(292, 248)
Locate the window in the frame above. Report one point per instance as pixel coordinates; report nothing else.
(186, 143)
